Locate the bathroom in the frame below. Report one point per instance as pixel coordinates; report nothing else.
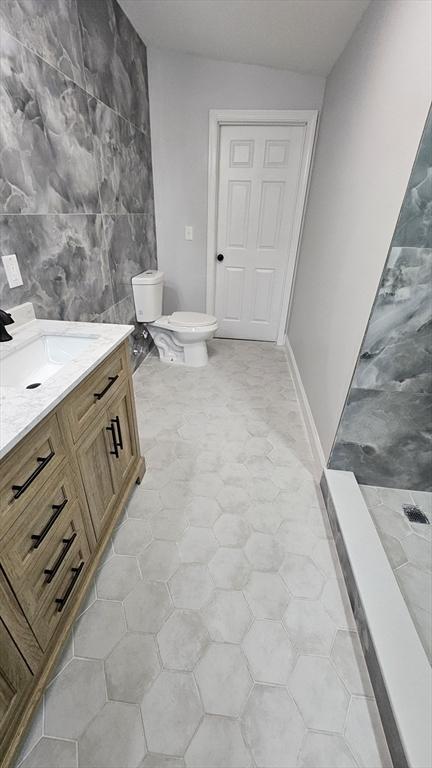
(216, 476)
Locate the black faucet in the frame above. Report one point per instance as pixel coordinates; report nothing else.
(5, 319)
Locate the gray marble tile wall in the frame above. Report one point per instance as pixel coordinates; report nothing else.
(385, 434)
(76, 189)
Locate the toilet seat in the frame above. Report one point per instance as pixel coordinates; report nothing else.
(187, 323)
(191, 319)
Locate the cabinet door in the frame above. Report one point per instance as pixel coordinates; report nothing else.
(98, 473)
(122, 435)
(15, 678)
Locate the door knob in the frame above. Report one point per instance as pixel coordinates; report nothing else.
(220, 257)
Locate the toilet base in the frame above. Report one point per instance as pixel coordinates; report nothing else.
(193, 354)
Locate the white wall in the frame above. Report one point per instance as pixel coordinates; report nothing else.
(375, 107)
(182, 90)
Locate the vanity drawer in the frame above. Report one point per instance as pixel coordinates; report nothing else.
(42, 580)
(92, 395)
(40, 572)
(38, 585)
(31, 537)
(61, 596)
(27, 468)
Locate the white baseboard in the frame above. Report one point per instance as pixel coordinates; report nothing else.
(312, 431)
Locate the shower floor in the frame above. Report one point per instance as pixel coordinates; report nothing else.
(408, 547)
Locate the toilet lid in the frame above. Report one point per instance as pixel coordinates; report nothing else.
(191, 319)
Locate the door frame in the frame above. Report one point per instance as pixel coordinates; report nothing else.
(220, 117)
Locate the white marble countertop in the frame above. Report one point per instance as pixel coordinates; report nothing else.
(22, 409)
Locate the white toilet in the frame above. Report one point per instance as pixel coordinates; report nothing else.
(180, 337)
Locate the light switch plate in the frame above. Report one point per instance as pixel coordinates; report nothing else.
(188, 232)
(12, 270)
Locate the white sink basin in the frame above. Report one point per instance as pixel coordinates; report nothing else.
(39, 359)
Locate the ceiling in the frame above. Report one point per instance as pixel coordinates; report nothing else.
(302, 35)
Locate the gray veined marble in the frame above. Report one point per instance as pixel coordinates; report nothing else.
(131, 244)
(115, 60)
(385, 433)
(67, 157)
(63, 263)
(46, 160)
(397, 349)
(123, 158)
(385, 438)
(50, 28)
(414, 227)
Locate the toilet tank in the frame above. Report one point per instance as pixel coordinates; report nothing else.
(147, 292)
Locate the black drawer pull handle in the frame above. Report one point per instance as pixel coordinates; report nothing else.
(111, 429)
(61, 601)
(39, 537)
(43, 461)
(51, 572)
(111, 380)
(119, 432)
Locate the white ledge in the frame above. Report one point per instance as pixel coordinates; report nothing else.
(404, 665)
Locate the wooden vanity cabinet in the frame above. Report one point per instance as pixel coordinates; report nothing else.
(95, 465)
(123, 434)
(107, 455)
(62, 490)
(15, 678)
(20, 660)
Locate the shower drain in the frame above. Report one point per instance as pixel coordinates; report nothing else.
(414, 514)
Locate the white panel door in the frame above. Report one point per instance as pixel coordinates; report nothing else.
(259, 172)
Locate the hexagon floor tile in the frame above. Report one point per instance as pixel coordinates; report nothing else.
(310, 627)
(171, 712)
(51, 753)
(117, 577)
(364, 734)
(197, 545)
(131, 667)
(114, 738)
(147, 607)
(229, 568)
(99, 629)
(319, 694)
(182, 640)
(223, 679)
(269, 652)
(301, 576)
(231, 530)
(218, 743)
(217, 632)
(153, 760)
(169, 524)
(132, 537)
(325, 750)
(191, 586)
(348, 659)
(272, 727)
(160, 561)
(202, 511)
(227, 616)
(74, 698)
(162, 761)
(267, 595)
(264, 552)
(144, 503)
